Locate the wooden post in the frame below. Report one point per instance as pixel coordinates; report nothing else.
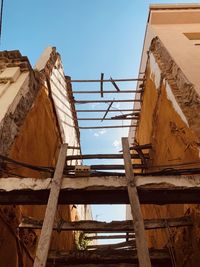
(47, 227)
(138, 222)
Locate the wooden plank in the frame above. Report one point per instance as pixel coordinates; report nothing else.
(172, 189)
(47, 227)
(101, 84)
(121, 236)
(102, 156)
(126, 244)
(109, 107)
(158, 257)
(108, 127)
(94, 265)
(114, 84)
(108, 92)
(104, 110)
(105, 80)
(106, 101)
(108, 167)
(114, 226)
(107, 119)
(141, 242)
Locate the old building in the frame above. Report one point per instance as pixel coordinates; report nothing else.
(36, 116)
(170, 115)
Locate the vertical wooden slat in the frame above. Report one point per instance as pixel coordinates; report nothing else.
(101, 84)
(114, 84)
(138, 222)
(47, 227)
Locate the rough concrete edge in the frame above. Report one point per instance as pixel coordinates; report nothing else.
(73, 108)
(47, 71)
(10, 125)
(183, 90)
(46, 74)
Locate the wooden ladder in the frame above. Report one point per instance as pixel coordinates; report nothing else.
(48, 223)
(47, 227)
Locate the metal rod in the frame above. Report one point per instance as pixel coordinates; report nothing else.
(108, 92)
(106, 127)
(105, 101)
(104, 110)
(105, 80)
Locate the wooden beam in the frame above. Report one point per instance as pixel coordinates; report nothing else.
(172, 189)
(106, 101)
(105, 80)
(104, 110)
(158, 257)
(108, 167)
(93, 265)
(102, 156)
(130, 244)
(114, 226)
(107, 119)
(141, 242)
(107, 127)
(121, 236)
(114, 84)
(108, 92)
(109, 107)
(47, 227)
(101, 84)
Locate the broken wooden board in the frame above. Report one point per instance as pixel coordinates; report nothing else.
(102, 190)
(114, 226)
(94, 265)
(127, 244)
(158, 257)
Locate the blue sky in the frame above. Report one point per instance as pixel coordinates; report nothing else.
(92, 36)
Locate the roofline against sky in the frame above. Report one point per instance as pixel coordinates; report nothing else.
(175, 6)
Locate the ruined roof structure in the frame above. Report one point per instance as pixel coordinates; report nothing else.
(170, 116)
(41, 160)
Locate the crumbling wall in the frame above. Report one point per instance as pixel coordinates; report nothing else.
(30, 133)
(170, 122)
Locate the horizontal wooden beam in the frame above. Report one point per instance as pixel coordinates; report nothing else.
(94, 265)
(126, 244)
(114, 226)
(176, 189)
(108, 167)
(108, 92)
(102, 156)
(108, 119)
(107, 127)
(104, 110)
(106, 101)
(158, 257)
(104, 81)
(120, 236)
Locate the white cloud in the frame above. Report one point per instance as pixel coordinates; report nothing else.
(116, 143)
(100, 132)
